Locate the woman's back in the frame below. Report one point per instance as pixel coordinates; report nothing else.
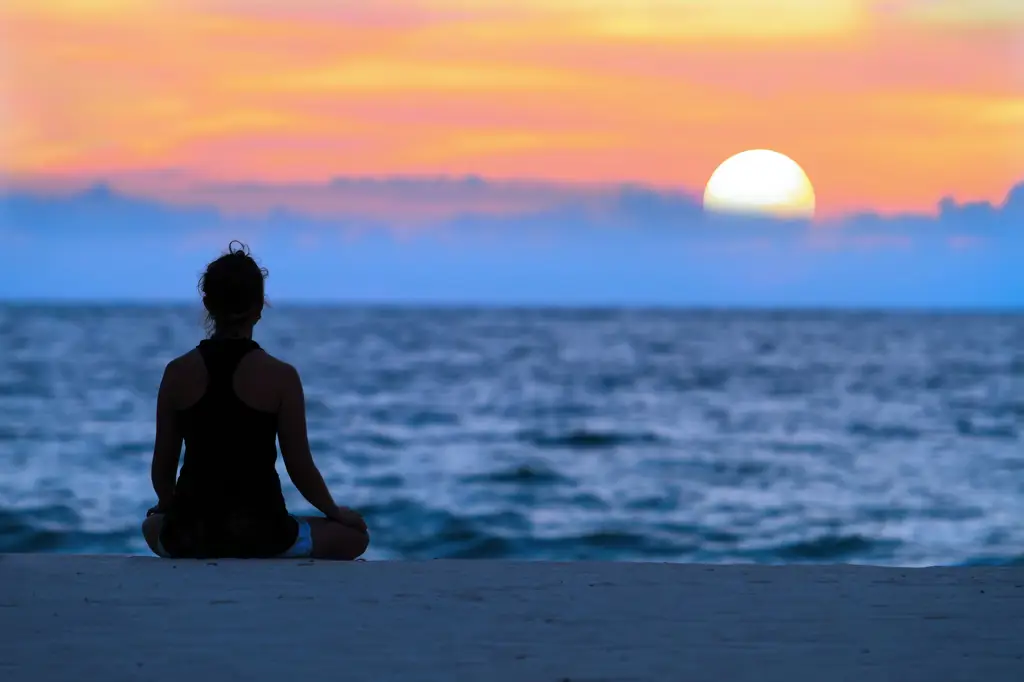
(230, 435)
(226, 403)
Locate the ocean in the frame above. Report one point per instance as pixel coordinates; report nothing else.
(647, 435)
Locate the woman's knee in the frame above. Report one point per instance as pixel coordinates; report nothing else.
(151, 531)
(332, 540)
(362, 543)
(350, 543)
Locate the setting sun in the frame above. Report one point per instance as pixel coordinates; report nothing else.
(760, 182)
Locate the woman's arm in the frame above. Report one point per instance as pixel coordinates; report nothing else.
(167, 445)
(298, 460)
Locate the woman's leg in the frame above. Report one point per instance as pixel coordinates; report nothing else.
(331, 540)
(151, 532)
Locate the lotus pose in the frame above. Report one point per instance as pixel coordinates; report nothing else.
(229, 400)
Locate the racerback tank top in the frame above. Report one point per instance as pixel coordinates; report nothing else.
(228, 499)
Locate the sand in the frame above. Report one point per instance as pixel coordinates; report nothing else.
(139, 618)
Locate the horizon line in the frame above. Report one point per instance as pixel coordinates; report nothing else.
(57, 302)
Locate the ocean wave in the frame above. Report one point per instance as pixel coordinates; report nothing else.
(829, 548)
(583, 439)
(524, 474)
(883, 431)
(647, 435)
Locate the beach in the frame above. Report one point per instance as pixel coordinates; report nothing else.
(140, 618)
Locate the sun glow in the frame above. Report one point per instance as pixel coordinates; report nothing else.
(760, 182)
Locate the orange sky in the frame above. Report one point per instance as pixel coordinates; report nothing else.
(887, 104)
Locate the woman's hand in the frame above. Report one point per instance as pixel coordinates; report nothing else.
(349, 517)
(158, 509)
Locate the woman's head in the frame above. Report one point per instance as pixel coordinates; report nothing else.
(232, 290)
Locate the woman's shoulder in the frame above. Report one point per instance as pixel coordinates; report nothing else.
(265, 379)
(184, 362)
(274, 370)
(258, 360)
(267, 361)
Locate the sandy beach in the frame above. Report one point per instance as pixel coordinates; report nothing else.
(139, 618)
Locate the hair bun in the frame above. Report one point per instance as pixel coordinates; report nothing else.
(239, 250)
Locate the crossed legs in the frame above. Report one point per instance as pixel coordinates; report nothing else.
(331, 540)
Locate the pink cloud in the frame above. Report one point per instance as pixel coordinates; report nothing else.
(838, 241)
(964, 242)
(401, 202)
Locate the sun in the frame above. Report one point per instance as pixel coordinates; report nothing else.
(760, 182)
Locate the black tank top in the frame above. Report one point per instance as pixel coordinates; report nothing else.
(227, 500)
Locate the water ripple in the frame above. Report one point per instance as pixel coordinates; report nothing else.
(646, 435)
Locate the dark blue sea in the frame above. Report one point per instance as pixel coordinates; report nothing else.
(710, 436)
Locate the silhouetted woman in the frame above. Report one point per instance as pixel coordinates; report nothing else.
(228, 400)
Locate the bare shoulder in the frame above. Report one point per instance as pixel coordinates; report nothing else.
(282, 372)
(280, 382)
(183, 366)
(183, 379)
(268, 361)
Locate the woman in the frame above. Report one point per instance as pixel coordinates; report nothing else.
(228, 400)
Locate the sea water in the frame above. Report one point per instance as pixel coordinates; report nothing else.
(714, 436)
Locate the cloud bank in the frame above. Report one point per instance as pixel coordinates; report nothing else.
(470, 240)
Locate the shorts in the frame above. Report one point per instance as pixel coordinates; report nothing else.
(302, 547)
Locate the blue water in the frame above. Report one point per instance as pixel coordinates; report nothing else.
(561, 434)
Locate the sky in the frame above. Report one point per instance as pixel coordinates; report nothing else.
(534, 150)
